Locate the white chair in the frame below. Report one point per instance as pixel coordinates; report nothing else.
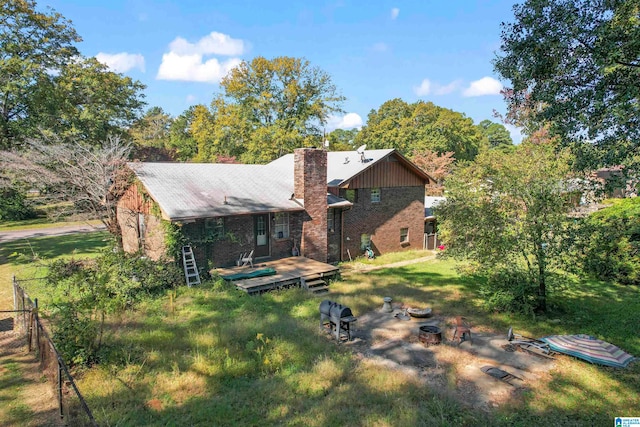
(246, 259)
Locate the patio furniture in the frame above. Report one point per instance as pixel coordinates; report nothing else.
(245, 258)
(528, 344)
(462, 331)
(500, 374)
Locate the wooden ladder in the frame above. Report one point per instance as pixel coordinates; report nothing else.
(190, 269)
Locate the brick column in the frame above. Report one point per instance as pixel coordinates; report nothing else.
(310, 185)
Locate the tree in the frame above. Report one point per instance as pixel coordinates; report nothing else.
(47, 87)
(267, 109)
(507, 212)
(181, 141)
(90, 103)
(91, 177)
(421, 126)
(152, 129)
(496, 133)
(32, 46)
(151, 136)
(342, 139)
(575, 65)
(437, 166)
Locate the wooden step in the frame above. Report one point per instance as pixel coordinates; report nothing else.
(315, 283)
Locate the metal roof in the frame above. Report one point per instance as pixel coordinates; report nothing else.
(202, 190)
(186, 191)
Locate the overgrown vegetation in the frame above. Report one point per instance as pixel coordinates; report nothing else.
(83, 293)
(14, 205)
(612, 248)
(507, 212)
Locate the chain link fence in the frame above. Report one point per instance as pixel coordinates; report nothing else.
(74, 410)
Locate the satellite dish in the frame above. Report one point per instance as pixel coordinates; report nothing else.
(361, 149)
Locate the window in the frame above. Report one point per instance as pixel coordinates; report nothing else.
(214, 228)
(365, 241)
(330, 221)
(375, 195)
(404, 235)
(351, 195)
(281, 226)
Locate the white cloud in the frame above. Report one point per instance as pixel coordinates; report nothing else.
(186, 61)
(423, 89)
(191, 98)
(428, 87)
(191, 68)
(446, 89)
(348, 121)
(395, 12)
(122, 62)
(484, 86)
(212, 44)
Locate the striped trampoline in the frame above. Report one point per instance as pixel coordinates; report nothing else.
(590, 349)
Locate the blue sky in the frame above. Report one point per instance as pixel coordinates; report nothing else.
(374, 51)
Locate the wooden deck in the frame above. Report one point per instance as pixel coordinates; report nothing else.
(290, 272)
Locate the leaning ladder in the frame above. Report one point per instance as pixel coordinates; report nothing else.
(190, 268)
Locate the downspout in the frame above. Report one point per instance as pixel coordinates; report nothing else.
(341, 235)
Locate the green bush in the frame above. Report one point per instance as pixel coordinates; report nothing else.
(14, 206)
(509, 290)
(85, 291)
(612, 249)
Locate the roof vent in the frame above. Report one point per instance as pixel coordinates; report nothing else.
(346, 160)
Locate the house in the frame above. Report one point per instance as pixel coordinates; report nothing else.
(327, 206)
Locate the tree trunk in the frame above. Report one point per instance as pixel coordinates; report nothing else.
(542, 280)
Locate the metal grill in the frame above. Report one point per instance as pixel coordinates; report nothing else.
(336, 318)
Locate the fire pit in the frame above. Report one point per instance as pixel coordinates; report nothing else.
(430, 335)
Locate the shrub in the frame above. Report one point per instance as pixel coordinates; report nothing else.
(509, 290)
(14, 206)
(88, 290)
(612, 251)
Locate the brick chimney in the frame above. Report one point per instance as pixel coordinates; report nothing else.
(310, 185)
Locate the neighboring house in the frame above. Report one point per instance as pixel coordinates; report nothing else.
(327, 206)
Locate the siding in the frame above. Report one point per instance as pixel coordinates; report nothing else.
(388, 174)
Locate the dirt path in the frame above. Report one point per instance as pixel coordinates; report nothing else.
(386, 340)
(360, 267)
(28, 399)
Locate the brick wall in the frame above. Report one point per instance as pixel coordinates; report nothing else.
(310, 184)
(399, 207)
(152, 243)
(239, 238)
(334, 236)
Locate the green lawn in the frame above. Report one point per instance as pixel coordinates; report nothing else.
(213, 355)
